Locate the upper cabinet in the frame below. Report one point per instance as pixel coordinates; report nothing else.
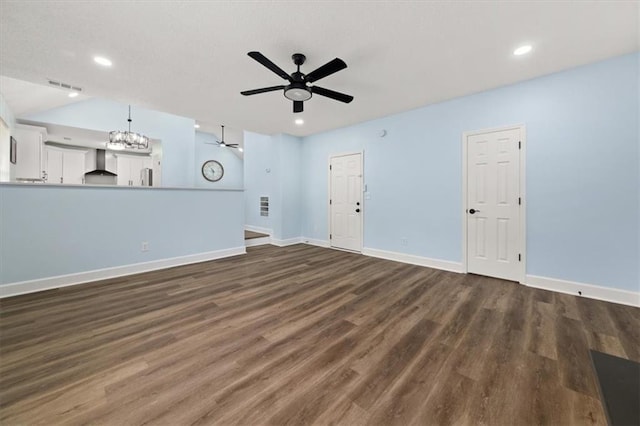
(29, 158)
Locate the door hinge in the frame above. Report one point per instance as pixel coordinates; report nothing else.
(519, 144)
(519, 201)
(519, 257)
(329, 166)
(329, 201)
(330, 236)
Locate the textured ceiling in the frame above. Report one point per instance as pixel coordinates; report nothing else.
(189, 58)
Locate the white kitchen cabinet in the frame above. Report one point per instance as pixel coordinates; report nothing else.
(130, 167)
(53, 165)
(73, 167)
(29, 164)
(65, 165)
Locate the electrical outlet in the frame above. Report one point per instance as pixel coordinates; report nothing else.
(144, 246)
(404, 241)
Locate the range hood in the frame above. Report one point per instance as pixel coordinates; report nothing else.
(101, 165)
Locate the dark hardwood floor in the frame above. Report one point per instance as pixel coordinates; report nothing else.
(250, 235)
(301, 335)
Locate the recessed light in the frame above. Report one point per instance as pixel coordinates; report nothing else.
(299, 121)
(73, 94)
(197, 126)
(100, 60)
(522, 50)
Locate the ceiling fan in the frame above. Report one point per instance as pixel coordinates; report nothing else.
(221, 142)
(298, 89)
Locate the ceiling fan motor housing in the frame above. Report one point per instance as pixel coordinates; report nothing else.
(298, 58)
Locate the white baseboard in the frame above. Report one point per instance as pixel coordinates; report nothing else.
(287, 242)
(253, 242)
(31, 286)
(258, 229)
(445, 265)
(613, 295)
(314, 242)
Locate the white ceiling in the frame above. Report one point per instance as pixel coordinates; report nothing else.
(26, 98)
(189, 58)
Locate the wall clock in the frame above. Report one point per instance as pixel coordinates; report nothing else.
(212, 170)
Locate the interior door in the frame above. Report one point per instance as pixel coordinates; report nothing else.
(346, 202)
(493, 204)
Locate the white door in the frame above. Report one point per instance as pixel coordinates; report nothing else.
(493, 204)
(345, 202)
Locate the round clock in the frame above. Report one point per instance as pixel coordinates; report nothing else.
(212, 170)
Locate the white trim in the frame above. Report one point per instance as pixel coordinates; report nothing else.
(258, 229)
(523, 207)
(613, 295)
(362, 203)
(445, 265)
(23, 287)
(317, 243)
(287, 242)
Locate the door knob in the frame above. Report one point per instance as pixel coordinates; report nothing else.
(357, 210)
(472, 211)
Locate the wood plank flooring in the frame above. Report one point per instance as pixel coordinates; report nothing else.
(250, 235)
(304, 335)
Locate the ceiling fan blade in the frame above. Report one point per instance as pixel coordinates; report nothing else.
(331, 94)
(327, 69)
(267, 63)
(298, 106)
(263, 90)
(232, 145)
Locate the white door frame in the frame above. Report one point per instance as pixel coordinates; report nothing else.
(523, 207)
(362, 204)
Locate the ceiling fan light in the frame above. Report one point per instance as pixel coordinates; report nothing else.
(297, 94)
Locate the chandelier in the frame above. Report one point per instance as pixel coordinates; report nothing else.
(122, 139)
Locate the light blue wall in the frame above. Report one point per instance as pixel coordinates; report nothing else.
(287, 217)
(258, 165)
(176, 133)
(206, 149)
(48, 231)
(6, 114)
(281, 155)
(582, 173)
